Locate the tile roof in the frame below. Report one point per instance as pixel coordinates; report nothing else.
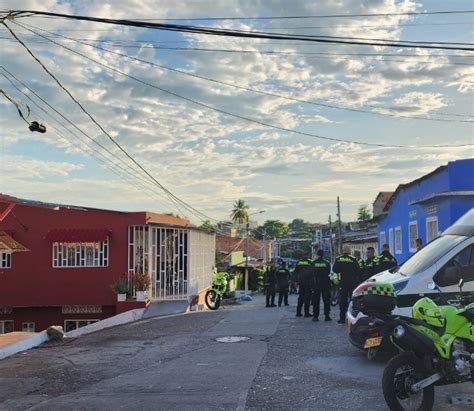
(8, 243)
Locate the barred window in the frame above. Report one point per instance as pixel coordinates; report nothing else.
(5, 260)
(81, 254)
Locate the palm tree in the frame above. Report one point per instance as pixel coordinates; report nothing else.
(240, 214)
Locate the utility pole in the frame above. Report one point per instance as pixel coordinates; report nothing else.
(330, 240)
(247, 256)
(339, 224)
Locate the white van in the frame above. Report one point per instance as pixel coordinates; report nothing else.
(433, 272)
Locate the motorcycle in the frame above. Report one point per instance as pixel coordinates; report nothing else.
(219, 291)
(436, 347)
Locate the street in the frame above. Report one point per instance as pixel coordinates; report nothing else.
(175, 363)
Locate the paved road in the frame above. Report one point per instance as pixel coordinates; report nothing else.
(175, 363)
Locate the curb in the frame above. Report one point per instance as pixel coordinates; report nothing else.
(23, 345)
(119, 319)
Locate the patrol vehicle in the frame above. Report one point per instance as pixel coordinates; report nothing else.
(432, 272)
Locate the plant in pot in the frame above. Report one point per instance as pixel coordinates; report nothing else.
(142, 284)
(120, 287)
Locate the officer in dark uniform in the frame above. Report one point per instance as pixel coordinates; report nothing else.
(347, 267)
(270, 285)
(304, 272)
(322, 286)
(386, 259)
(283, 279)
(371, 264)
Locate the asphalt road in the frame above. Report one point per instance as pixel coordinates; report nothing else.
(175, 363)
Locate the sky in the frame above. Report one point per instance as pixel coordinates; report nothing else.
(210, 159)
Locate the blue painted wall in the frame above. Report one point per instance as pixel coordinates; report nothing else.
(457, 176)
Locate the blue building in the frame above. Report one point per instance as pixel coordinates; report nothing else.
(425, 207)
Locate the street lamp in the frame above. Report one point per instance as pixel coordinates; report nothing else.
(247, 249)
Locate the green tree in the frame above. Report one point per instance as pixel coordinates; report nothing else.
(271, 229)
(299, 228)
(207, 225)
(363, 215)
(240, 213)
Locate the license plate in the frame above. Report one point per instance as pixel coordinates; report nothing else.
(373, 342)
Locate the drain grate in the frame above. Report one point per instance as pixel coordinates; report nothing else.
(461, 399)
(232, 339)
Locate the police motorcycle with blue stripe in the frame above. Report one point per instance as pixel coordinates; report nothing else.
(432, 272)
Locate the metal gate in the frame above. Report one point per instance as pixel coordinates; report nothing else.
(163, 254)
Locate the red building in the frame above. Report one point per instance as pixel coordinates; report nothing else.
(58, 262)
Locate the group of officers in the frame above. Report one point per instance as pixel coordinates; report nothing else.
(315, 278)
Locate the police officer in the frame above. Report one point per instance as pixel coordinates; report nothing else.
(371, 263)
(270, 285)
(386, 259)
(361, 263)
(347, 267)
(283, 278)
(322, 286)
(304, 276)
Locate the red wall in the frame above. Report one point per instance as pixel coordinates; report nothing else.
(43, 317)
(33, 282)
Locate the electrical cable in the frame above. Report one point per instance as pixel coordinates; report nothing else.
(169, 193)
(124, 172)
(248, 88)
(238, 33)
(241, 117)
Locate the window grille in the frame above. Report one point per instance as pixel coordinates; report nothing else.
(94, 254)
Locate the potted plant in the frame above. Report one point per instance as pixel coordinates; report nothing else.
(142, 284)
(120, 287)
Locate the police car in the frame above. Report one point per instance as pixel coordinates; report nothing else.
(433, 272)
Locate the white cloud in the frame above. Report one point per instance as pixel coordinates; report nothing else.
(209, 158)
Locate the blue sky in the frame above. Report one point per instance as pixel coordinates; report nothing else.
(210, 159)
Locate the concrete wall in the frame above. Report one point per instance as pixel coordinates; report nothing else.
(202, 249)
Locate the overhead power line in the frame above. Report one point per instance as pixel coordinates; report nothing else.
(320, 16)
(241, 117)
(262, 92)
(244, 34)
(161, 186)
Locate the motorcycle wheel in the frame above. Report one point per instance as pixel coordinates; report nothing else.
(401, 372)
(212, 300)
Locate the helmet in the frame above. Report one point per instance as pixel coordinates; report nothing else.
(334, 277)
(426, 310)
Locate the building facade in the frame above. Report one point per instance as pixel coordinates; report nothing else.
(425, 207)
(58, 262)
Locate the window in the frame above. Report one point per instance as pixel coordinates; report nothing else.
(412, 235)
(6, 327)
(81, 254)
(431, 228)
(5, 260)
(28, 327)
(70, 325)
(460, 266)
(390, 239)
(398, 240)
(383, 240)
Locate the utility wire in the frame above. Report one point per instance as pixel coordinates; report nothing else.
(169, 193)
(242, 33)
(124, 171)
(117, 169)
(241, 117)
(289, 98)
(143, 44)
(323, 16)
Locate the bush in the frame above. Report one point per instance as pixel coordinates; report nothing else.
(120, 286)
